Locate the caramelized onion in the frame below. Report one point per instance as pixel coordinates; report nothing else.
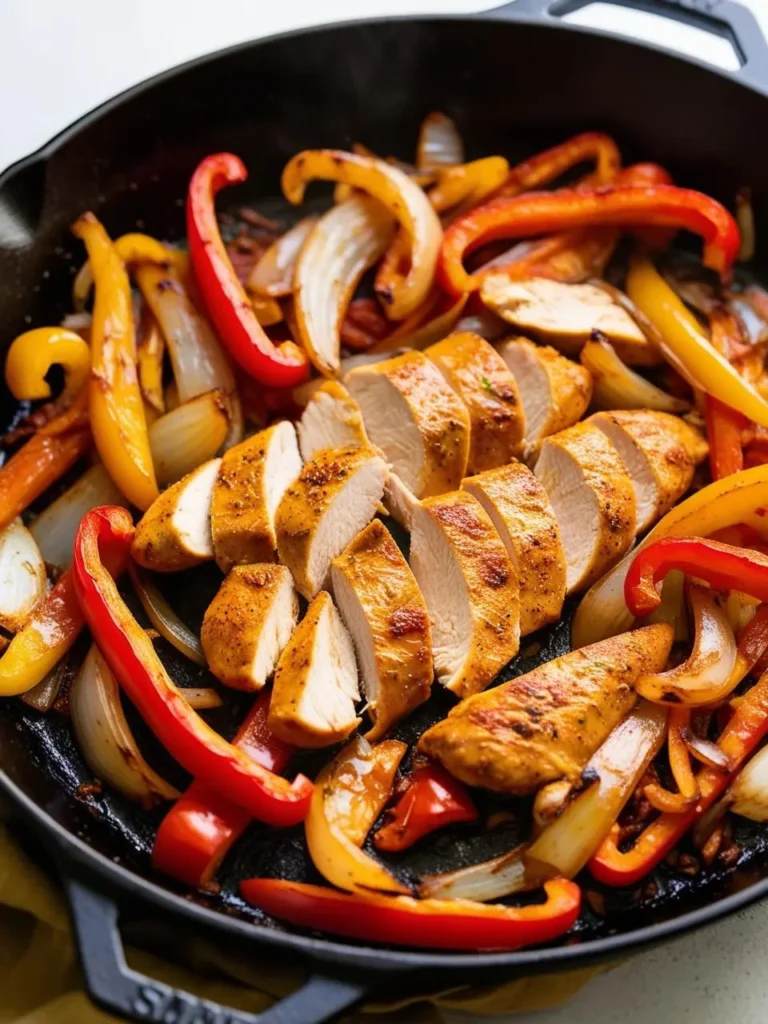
(22, 575)
(705, 751)
(273, 274)
(491, 880)
(618, 387)
(439, 144)
(187, 436)
(164, 618)
(748, 793)
(438, 324)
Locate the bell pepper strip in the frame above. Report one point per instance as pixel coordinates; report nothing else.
(664, 800)
(621, 206)
(349, 795)
(468, 184)
(116, 406)
(33, 353)
(433, 799)
(552, 163)
(740, 737)
(131, 656)
(679, 756)
(752, 646)
(149, 357)
(404, 921)
(725, 425)
(223, 295)
(203, 825)
(133, 249)
(723, 566)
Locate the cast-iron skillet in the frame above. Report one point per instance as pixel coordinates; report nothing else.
(515, 79)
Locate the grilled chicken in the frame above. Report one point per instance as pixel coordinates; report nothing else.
(252, 480)
(470, 588)
(593, 500)
(554, 390)
(385, 614)
(175, 531)
(660, 452)
(519, 509)
(479, 376)
(315, 688)
(545, 725)
(331, 419)
(416, 419)
(399, 501)
(248, 623)
(336, 494)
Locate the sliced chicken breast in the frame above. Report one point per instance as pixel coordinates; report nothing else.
(175, 531)
(416, 419)
(252, 480)
(331, 419)
(661, 453)
(383, 609)
(519, 509)
(593, 499)
(545, 725)
(22, 575)
(479, 376)
(248, 624)
(315, 688)
(554, 390)
(336, 494)
(470, 588)
(399, 501)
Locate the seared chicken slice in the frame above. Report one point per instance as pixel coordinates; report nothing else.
(336, 494)
(251, 483)
(331, 419)
(315, 688)
(248, 623)
(470, 588)
(593, 500)
(519, 509)
(385, 613)
(554, 390)
(479, 376)
(545, 725)
(399, 501)
(416, 419)
(660, 452)
(175, 531)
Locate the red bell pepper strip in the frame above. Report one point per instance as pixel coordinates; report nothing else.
(624, 206)
(404, 921)
(724, 433)
(227, 303)
(131, 656)
(721, 565)
(432, 800)
(552, 163)
(202, 826)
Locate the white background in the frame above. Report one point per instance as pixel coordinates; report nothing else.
(59, 58)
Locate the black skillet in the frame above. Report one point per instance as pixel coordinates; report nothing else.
(516, 79)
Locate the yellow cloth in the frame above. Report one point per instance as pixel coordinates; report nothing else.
(40, 980)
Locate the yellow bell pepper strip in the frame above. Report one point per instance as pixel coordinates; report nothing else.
(33, 353)
(116, 405)
(133, 248)
(149, 357)
(468, 184)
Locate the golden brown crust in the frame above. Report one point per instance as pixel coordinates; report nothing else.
(545, 725)
(345, 426)
(479, 376)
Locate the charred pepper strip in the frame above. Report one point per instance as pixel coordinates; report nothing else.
(552, 163)
(432, 800)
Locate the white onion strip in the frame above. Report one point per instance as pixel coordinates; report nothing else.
(189, 435)
(164, 618)
(22, 575)
(619, 387)
(440, 144)
(491, 880)
(272, 275)
(748, 794)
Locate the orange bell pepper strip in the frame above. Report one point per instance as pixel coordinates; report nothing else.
(33, 353)
(550, 164)
(725, 425)
(116, 405)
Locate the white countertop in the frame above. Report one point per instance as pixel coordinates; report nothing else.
(59, 58)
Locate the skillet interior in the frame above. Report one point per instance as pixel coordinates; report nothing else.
(372, 82)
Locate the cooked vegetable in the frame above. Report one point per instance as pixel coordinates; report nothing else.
(440, 143)
(273, 273)
(618, 387)
(164, 618)
(467, 185)
(432, 800)
(550, 164)
(22, 576)
(188, 435)
(32, 355)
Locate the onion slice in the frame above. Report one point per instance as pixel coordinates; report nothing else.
(273, 274)
(618, 387)
(22, 575)
(42, 696)
(201, 698)
(705, 751)
(163, 617)
(491, 880)
(188, 435)
(440, 143)
(105, 739)
(439, 323)
(748, 793)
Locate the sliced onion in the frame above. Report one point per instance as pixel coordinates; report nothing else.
(164, 618)
(42, 696)
(687, 282)
(755, 327)
(707, 675)
(273, 274)
(672, 608)
(434, 329)
(187, 436)
(55, 527)
(201, 698)
(618, 387)
(748, 793)
(344, 243)
(491, 880)
(745, 217)
(105, 739)
(22, 575)
(439, 144)
(705, 751)
(485, 323)
(268, 311)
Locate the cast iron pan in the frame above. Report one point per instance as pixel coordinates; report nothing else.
(515, 79)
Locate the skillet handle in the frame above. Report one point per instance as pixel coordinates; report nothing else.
(726, 18)
(115, 987)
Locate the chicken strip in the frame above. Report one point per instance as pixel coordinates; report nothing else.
(519, 509)
(593, 500)
(336, 494)
(252, 480)
(470, 588)
(545, 725)
(661, 453)
(315, 688)
(331, 419)
(383, 609)
(248, 623)
(479, 376)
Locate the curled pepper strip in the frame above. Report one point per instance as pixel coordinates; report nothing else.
(468, 184)
(432, 800)
(552, 163)
(131, 656)
(33, 353)
(224, 297)
(133, 248)
(404, 921)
